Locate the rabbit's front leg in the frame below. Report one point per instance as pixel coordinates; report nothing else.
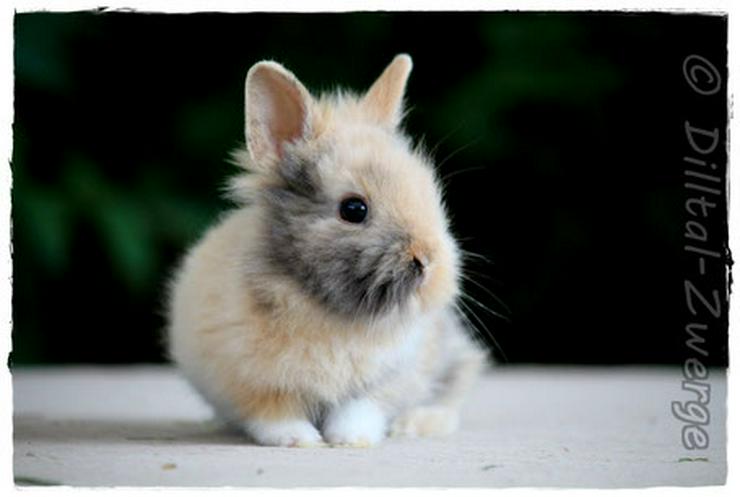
(277, 419)
(358, 422)
(294, 432)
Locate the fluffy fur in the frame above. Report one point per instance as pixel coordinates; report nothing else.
(302, 328)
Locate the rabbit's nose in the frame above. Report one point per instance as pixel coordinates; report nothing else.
(419, 262)
(418, 258)
(417, 266)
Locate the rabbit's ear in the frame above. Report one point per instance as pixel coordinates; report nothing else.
(384, 99)
(277, 111)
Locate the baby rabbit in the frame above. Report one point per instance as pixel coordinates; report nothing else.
(321, 310)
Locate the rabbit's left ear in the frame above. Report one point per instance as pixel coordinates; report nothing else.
(384, 99)
(277, 111)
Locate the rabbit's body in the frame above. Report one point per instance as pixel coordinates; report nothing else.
(289, 319)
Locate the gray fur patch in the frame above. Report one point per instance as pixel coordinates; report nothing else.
(354, 270)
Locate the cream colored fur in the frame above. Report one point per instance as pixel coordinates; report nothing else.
(270, 358)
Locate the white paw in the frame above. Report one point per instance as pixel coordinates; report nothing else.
(425, 421)
(357, 423)
(286, 433)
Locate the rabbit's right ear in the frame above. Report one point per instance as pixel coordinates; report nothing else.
(277, 108)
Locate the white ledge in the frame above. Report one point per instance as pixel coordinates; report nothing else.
(523, 426)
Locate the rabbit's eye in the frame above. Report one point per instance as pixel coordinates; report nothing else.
(353, 210)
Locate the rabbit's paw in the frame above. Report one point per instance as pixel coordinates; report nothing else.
(425, 421)
(357, 423)
(284, 433)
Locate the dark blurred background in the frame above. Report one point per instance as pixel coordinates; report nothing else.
(560, 137)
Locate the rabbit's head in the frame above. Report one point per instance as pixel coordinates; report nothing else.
(350, 211)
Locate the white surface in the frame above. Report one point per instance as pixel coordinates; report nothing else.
(524, 426)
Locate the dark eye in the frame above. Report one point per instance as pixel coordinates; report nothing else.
(353, 210)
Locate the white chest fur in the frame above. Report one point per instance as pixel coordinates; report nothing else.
(332, 368)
